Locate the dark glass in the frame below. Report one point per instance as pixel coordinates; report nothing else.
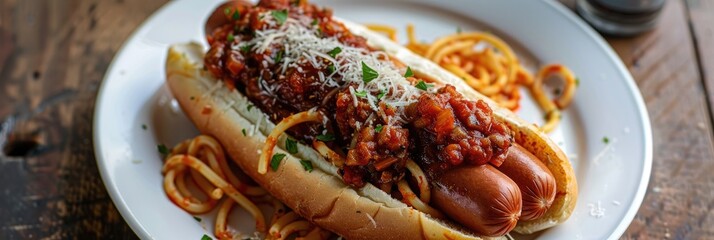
(621, 17)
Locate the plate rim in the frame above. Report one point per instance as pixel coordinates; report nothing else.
(142, 232)
(641, 108)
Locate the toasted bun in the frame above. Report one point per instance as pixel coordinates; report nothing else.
(320, 196)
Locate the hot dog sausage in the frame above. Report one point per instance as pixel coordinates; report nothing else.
(536, 182)
(479, 197)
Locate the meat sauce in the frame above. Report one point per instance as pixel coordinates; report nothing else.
(440, 130)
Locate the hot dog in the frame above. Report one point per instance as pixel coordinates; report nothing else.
(245, 84)
(535, 181)
(480, 198)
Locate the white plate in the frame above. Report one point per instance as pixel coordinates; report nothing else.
(612, 178)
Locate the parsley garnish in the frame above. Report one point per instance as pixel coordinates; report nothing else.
(206, 237)
(368, 74)
(250, 106)
(361, 94)
(314, 22)
(381, 94)
(243, 132)
(409, 72)
(162, 149)
(334, 52)
(330, 69)
(291, 146)
(280, 56)
(275, 161)
(280, 16)
(198, 219)
(143, 126)
(325, 137)
(307, 165)
(246, 48)
(378, 128)
(236, 15)
(423, 86)
(227, 11)
(230, 37)
(605, 140)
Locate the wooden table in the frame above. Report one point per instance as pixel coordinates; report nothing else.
(53, 55)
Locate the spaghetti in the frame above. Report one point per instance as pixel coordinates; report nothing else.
(201, 160)
(488, 65)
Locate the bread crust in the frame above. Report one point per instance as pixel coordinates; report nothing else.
(320, 196)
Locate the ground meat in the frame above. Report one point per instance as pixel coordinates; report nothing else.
(451, 130)
(442, 129)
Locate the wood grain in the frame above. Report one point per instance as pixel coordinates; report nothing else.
(53, 55)
(701, 21)
(664, 64)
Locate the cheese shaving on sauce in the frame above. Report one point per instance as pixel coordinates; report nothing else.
(301, 44)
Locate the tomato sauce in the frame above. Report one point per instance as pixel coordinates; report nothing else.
(441, 130)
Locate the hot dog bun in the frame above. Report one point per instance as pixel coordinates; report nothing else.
(320, 196)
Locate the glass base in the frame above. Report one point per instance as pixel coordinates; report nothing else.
(614, 23)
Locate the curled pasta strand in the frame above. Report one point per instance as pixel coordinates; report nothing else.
(220, 227)
(285, 124)
(328, 153)
(229, 190)
(277, 227)
(388, 30)
(294, 227)
(418, 174)
(185, 203)
(410, 198)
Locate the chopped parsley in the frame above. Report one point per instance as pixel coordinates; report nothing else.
(314, 22)
(378, 128)
(236, 15)
(206, 237)
(280, 15)
(291, 146)
(423, 86)
(330, 69)
(246, 48)
(243, 131)
(279, 57)
(409, 72)
(361, 94)
(334, 52)
(307, 165)
(275, 161)
(143, 126)
(368, 74)
(227, 11)
(605, 140)
(250, 106)
(198, 219)
(381, 94)
(325, 137)
(230, 37)
(162, 149)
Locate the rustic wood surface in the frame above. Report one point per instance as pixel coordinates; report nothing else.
(53, 55)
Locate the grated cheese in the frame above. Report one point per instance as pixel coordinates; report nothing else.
(302, 44)
(596, 210)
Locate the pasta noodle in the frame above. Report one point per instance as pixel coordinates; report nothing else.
(488, 65)
(202, 160)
